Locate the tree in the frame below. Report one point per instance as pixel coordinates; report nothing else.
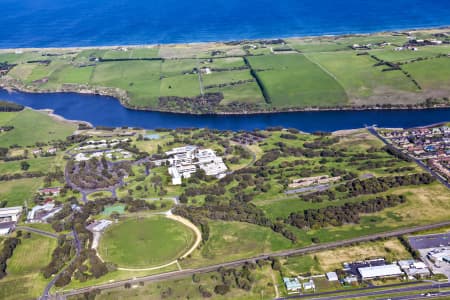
(221, 289)
(24, 165)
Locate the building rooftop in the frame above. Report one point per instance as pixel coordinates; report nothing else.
(380, 271)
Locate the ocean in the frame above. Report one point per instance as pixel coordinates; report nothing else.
(63, 23)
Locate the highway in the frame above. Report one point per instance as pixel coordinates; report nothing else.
(409, 287)
(305, 250)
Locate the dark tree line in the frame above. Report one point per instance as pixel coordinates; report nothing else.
(7, 251)
(6, 106)
(381, 184)
(349, 213)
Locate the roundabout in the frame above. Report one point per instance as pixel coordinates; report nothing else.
(148, 243)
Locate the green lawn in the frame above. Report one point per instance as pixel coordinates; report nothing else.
(33, 126)
(16, 192)
(42, 164)
(145, 242)
(292, 80)
(235, 240)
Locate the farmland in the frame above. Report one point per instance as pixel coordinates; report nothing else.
(340, 72)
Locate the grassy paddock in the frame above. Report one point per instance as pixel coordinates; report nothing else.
(32, 126)
(293, 80)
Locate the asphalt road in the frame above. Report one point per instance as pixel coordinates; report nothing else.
(410, 289)
(305, 250)
(38, 231)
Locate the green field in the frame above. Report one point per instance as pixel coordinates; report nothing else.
(139, 78)
(33, 126)
(431, 74)
(362, 81)
(234, 240)
(145, 242)
(314, 72)
(24, 280)
(16, 192)
(292, 80)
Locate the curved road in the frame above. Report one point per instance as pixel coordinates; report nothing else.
(305, 250)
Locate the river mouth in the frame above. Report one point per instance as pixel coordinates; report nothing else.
(107, 111)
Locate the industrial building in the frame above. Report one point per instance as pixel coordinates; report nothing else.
(9, 216)
(384, 271)
(42, 213)
(414, 268)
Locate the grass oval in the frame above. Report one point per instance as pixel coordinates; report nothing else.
(145, 242)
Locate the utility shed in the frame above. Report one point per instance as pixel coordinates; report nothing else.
(332, 276)
(380, 271)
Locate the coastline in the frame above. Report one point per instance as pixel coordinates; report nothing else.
(59, 118)
(307, 36)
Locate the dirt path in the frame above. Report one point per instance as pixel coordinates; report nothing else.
(198, 234)
(275, 285)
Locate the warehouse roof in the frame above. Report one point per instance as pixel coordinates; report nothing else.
(380, 271)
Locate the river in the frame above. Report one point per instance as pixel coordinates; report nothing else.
(107, 111)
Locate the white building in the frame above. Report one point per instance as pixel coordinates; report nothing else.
(332, 276)
(99, 226)
(380, 271)
(10, 214)
(185, 161)
(41, 213)
(308, 286)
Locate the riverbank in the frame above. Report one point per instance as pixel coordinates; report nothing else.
(105, 111)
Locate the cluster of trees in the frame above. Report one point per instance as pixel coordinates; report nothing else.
(82, 271)
(381, 184)
(6, 106)
(414, 253)
(340, 215)
(78, 268)
(221, 85)
(397, 153)
(200, 104)
(6, 128)
(7, 251)
(94, 173)
(34, 174)
(60, 256)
